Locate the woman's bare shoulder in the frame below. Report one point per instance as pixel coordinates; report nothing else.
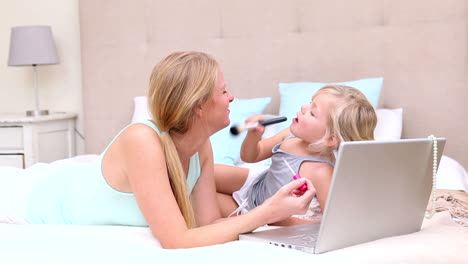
(135, 139)
(139, 133)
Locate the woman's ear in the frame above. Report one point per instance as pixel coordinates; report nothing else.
(198, 110)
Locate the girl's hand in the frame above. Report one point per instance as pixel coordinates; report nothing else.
(289, 200)
(259, 129)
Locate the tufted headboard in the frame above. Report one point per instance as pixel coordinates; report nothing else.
(419, 47)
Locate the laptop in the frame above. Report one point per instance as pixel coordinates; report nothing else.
(379, 189)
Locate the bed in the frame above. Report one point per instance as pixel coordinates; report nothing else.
(442, 239)
(409, 53)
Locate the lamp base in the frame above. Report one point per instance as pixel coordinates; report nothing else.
(37, 112)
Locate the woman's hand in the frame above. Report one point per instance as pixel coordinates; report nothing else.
(289, 200)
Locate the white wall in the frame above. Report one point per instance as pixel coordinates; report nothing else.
(59, 85)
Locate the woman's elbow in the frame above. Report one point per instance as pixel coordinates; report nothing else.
(167, 243)
(172, 244)
(175, 242)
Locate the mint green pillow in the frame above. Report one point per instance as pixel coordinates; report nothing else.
(226, 147)
(294, 95)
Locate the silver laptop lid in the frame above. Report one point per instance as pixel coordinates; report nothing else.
(379, 189)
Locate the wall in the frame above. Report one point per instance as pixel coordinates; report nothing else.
(418, 46)
(59, 85)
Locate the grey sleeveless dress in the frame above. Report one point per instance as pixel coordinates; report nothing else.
(256, 191)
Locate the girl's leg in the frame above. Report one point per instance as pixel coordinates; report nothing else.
(229, 178)
(226, 203)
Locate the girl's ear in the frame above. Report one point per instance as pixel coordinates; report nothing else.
(331, 141)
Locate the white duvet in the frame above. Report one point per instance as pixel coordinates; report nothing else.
(439, 241)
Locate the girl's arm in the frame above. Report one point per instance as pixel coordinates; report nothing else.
(145, 166)
(320, 174)
(253, 148)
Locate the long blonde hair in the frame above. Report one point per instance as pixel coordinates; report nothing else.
(178, 84)
(352, 117)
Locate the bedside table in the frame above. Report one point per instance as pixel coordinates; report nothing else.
(25, 140)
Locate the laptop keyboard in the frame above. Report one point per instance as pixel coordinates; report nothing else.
(306, 239)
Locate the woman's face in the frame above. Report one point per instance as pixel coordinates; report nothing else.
(216, 110)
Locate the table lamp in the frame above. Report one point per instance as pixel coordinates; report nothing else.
(32, 46)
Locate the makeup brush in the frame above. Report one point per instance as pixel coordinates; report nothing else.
(237, 129)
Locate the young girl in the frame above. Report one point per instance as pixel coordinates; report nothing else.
(337, 113)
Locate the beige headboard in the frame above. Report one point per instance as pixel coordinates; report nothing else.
(418, 46)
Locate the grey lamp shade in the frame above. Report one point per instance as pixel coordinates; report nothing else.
(32, 45)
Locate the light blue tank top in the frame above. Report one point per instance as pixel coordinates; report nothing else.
(79, 194)
(277, 175)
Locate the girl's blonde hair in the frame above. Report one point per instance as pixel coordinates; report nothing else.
(178, 84)
(352, 117)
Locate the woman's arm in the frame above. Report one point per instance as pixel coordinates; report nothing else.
(253, 149)
(146, 169)
(203, 196)
(294, 221)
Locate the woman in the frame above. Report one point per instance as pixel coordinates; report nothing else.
(160, 173)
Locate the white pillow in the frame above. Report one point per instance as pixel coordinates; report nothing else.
(140, 110)
(451, 175)
(389, 124)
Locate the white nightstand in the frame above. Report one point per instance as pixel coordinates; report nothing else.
(25, 140)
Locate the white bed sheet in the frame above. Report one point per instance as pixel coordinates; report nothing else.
(440, 240)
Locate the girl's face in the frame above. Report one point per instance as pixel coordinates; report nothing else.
(311, 121)
(216, 110)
